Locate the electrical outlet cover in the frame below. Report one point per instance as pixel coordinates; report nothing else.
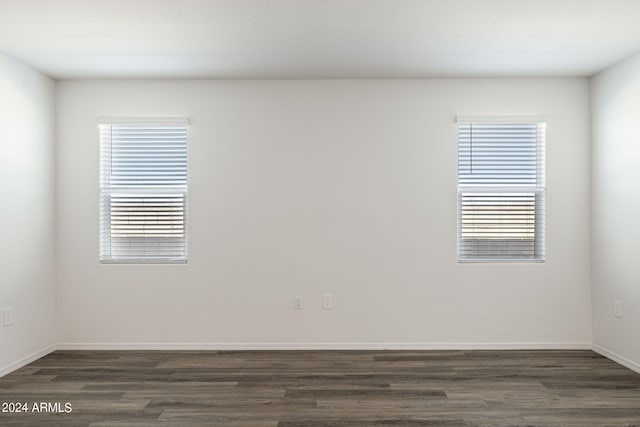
(327, 301)
(617, 308)
(7, 316)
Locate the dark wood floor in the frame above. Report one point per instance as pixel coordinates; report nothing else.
(325, 388)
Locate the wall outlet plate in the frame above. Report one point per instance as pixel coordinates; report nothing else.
(297, 303)
(617, 308)
(327, 301)
(7, 316)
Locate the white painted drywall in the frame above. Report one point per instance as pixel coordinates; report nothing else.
(616, 208)
(26, 212)
(312, 187)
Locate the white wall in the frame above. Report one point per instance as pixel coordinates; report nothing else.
(27, 212)
(313, 187)
(616, 210)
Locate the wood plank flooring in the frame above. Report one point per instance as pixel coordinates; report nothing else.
(324, 388)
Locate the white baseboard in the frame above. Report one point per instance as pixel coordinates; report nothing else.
(26, 360)
(324, 346)
(634, 366)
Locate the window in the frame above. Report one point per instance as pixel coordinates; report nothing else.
(143, 191)
(501, 190)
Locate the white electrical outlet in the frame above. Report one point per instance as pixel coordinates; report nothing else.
(617, 308)
(7, 316)
(297, 303)
(327, 301)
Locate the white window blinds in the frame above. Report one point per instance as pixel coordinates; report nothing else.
(143, 186)
(501, 191)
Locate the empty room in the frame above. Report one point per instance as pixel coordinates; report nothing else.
(319, 213)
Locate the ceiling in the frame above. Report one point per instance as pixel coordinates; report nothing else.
(318, 38)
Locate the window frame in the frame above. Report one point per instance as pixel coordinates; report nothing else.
(108, 191)
(536, 192)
